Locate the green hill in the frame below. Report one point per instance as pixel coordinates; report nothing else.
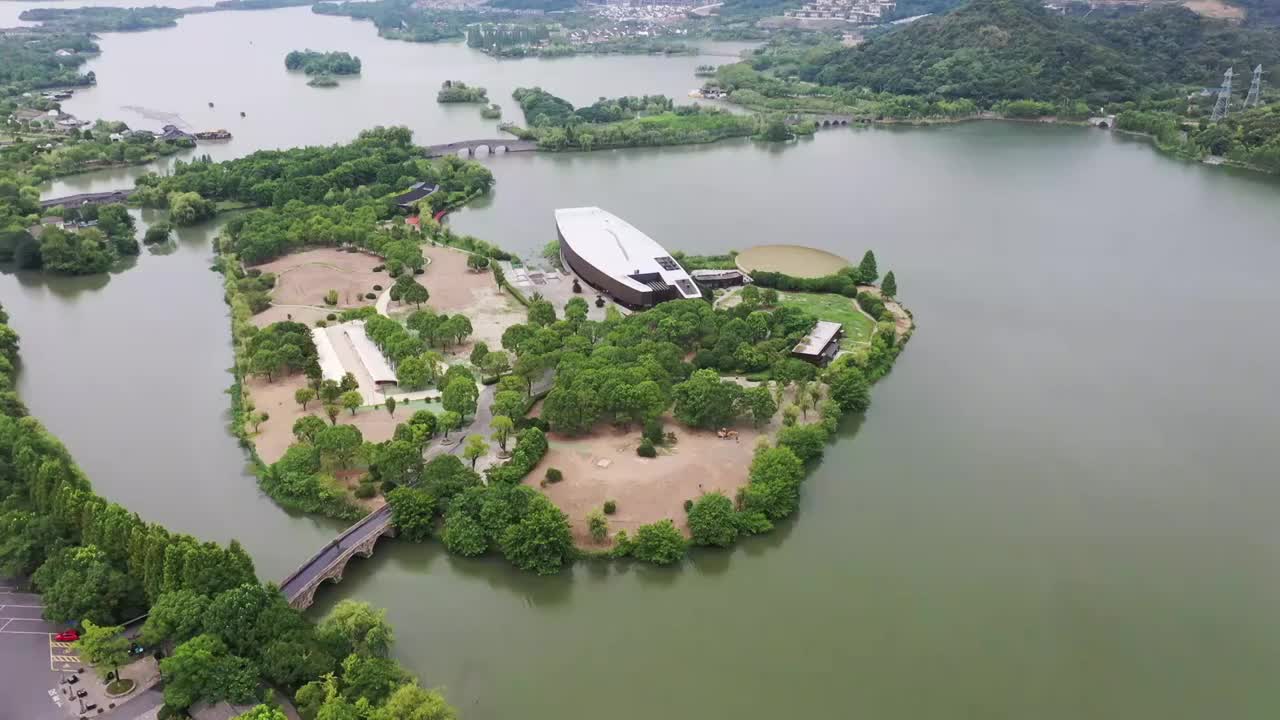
(991, 50)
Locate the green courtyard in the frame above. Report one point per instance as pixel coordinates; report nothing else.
(858, 328)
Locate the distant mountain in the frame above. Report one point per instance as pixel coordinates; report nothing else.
(991, 50)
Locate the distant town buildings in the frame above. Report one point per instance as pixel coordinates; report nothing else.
(855, 11)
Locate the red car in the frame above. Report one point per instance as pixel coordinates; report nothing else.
(67, 636)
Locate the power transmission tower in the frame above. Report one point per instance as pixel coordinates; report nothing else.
(1255, 89)
(1224, 97)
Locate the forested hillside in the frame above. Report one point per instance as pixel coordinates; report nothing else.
(991, 50)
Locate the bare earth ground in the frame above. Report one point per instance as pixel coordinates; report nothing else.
(645, 490)
(303, 278)
(1214, 9)
(297, 313)
(276, 398)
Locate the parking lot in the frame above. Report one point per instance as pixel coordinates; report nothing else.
(31, 662)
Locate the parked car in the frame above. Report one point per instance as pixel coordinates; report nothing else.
(67, 636)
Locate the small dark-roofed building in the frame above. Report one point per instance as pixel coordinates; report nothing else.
(417, 191)
(173, 132)
(822, 343)
(720, 278)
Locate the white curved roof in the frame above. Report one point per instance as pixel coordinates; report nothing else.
(616, 247)
(370, 356)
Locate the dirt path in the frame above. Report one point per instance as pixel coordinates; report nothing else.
(902, 321)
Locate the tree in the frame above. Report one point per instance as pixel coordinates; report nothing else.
(704, 401)
(478, 353)
(659, 543)
(307, 427)
(750, 295)
(332, 411)
(712, 520)
(774, 487)
(189, 208)
(449, 420)
(597, 525)
(457, 327)
(769, 297)
(304, 395)
(339, 443)
(412, 512)
(508, 403)
(351, 400)
(502, 427)
(414, 293)
(475, 449)
(203, 669)
(412, 373)
(464, 536)
(541, 541)
(866, 272)
(104, 646)
(356, 627)
(368, 678)
(263, 712)
(497, 363)
(575, 311)
(760, 403)
(157, 233)
(460, 397)
(391, 406)
(175, 616)
(541, 313)
(806, 441)
(889, 286)
(258, 418)
(411, 702)
(80, 584)
(849, 388)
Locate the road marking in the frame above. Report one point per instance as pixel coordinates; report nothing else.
(6, 624)
(65, 658)
(57, 643)
(23, 632)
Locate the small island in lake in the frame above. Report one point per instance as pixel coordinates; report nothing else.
(323, 63)
(456, 91)
(322, 81)
(492, 112)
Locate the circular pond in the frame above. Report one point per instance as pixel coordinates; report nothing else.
(796, 260)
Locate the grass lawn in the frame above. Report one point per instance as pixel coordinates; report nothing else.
(835, 308)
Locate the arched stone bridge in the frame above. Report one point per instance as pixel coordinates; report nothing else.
(300, 586)
(823, 121)
(506, 145)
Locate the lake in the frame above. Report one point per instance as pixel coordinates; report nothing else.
(1060, 505)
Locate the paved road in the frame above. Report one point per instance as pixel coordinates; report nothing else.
(27, 659)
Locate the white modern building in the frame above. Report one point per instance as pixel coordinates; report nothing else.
(611, 255)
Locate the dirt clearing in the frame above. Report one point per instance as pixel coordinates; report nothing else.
(303, 278)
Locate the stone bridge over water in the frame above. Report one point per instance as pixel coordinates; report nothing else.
(494, 146)
(299, 587)
(824, 121)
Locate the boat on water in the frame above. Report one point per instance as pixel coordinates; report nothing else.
(218, 134)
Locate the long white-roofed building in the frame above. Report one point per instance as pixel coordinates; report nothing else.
(611, 255)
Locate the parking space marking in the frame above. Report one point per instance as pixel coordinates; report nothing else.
(62, 653)
(6, 624)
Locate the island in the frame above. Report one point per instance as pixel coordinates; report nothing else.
(623, 122)
(322, 81)
(312, 62)
(456, 91)
(422, 376)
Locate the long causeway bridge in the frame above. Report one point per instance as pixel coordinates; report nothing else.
(75, 201)
(506, 145)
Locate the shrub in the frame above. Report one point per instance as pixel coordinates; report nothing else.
(646, 449)
(379, 268)
(321, 323)
(597, 525)
(712, 521)
(688, 505)
(366, 490)
(610, 507)
(331, 317)
(554, 475)
(331, 297)
(377, 288)
(653, 431)
(660, 543)
(419, 271)
(370, 296)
